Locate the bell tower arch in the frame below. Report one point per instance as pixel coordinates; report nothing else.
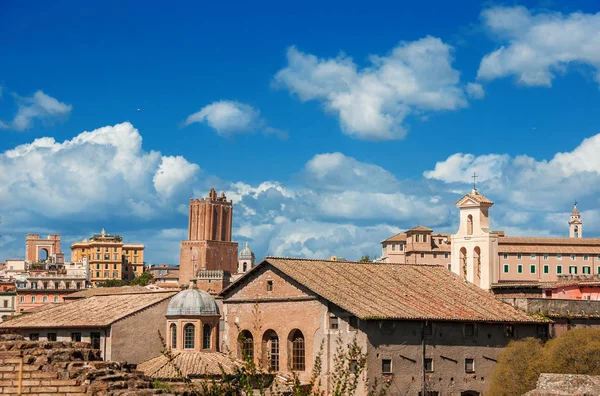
(575, 223)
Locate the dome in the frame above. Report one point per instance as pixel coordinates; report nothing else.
(193, 302)
(246, 252)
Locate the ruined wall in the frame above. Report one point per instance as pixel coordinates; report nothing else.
(63, 369)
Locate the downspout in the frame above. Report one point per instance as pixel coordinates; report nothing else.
(423, 358)
(328, 351)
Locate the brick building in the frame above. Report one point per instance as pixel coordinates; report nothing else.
(41, 249)
(165, 276)
(109, 258)
(40, 288)
(417, 323)
(209, 247)
(123, 326)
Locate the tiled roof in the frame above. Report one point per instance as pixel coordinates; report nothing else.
(477, 197)
(394, 291)
(549, 245)
(420, 228)
(105, 291)
(516, 285)
(192, 364)
(96, 311)
(400, 237)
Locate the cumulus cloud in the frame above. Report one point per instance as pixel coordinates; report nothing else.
(475, 91)
(537, 46)
(230, 117)
(373, 103)
(37, 107)
(460, 167)
(95, 173)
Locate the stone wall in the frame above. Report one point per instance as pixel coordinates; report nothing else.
(64, 368)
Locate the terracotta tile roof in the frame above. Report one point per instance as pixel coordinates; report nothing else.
(394, 291)
(193, 364)
(420, 228)
(477, 197)
(548, 245)
(400, 237)
(516, 285)
(96, 311)
(105, 291)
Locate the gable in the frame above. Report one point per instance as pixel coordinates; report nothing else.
(466, 201)
(255, 286)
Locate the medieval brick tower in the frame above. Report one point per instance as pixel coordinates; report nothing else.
(208, 247)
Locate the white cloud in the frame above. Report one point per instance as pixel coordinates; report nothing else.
(373, 102)
(535, 47)
(96, 173)
(460, 167)
(230, 117)
(37, 107)
(475, 91)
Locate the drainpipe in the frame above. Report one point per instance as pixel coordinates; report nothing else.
(423, 358)
(328, 350)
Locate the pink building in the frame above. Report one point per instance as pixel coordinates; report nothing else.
(490, 258)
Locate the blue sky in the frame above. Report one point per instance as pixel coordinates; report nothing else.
(332, 126)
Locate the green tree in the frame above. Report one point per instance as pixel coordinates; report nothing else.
(113, 283)
(575, 352)
(365, 259)
(143, 280)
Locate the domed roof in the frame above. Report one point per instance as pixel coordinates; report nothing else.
(246, 252)
(193, 302)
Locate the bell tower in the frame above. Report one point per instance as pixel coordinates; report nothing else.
(209, 245)
(575, 223)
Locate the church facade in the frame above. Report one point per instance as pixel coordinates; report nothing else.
(489, 258)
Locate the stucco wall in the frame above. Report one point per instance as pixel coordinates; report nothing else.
(135, 338)
(448, 346)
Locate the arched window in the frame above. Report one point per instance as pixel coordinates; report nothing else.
(469, 225)
(246, 345)
(298, 351)
(173, 336)
(206, 333)
(245, 267)
(270, 350)
(576, 232)
(189, 333)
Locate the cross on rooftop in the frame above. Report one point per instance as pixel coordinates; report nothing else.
(474, 177)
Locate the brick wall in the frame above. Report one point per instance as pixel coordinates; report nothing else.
(64, 368)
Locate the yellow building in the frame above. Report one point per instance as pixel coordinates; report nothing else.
(109, 258)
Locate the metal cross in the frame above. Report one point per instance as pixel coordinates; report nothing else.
(474, 177)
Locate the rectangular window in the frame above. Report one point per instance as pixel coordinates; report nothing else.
(55, 299)
(598, 270)
(520, 268)
(115, 250)
(105, 266)
(32, 299)
(76, 337)
(424, 238)
(469, 365)
(98, 249)
(532, 268)
(519, 256)
(506, 268)
(107, 257)
(334, 323)
(559, 269)
(5, 303)
(115, 257)
(393, 247)
(505, 256)
(434, 255)
(114, 266)
(572, 257)
(95, 340)
(533, 256)
(559, 256)
(34, 337)
(106, 274)
(135, 260)
(445, 255)
(417, 238)
(135, 252)
(546, 269)
(97, 257)
(450, 267)
(97, 266)
(353, 322)
(51, 336)
(97, 274)
(469, 330)
(269, 285)
(115, 274)
(386, 366)
(422, 255)
(586, 270)
(22, 299)
(545, 257)
(509, 331)
(401, 247)
(428, 365)
(106, 249)
(585, 257)
(573, 270)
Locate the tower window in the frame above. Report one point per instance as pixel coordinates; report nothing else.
(189, 334)
(417, 238)
(393, 247)
(469, 365)
(386, 366)
(429, 365)
(270, 286)
(424, 238)
(469, 225)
